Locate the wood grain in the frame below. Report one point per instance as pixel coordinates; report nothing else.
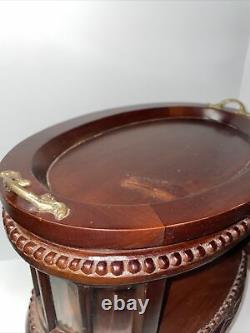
(136, 177)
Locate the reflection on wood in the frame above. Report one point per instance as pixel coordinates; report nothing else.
(86, 307)
(108, 321)
(34, 280)
(79, 308)
(67, 307)
(156, 293)
(47, 299)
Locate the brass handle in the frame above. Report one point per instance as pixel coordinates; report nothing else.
(46, 203)
(221, 105)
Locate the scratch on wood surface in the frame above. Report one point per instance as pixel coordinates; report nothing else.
(147, 188)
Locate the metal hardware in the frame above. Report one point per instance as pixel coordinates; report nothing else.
(221, 105)
(46, 203)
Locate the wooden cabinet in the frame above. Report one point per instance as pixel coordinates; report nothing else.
(112, 206)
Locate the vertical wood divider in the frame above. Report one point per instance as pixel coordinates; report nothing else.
(47, 299)
(34, 280)
(138, 320)
(150, 320)
(85, 294)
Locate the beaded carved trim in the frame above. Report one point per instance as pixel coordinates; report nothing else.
(223, 316)
(134, 266)
(230, 305)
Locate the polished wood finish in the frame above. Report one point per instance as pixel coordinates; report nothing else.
(79, 308)
(98, 267)
(135, 177)
(47, 300)
(143, 163)
(206, 300)
(86, 299)
(199, 302)
(35, 281)
(152, 192)
(128, 321)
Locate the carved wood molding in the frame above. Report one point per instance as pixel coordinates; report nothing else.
(222, 317)
(121, 267)
(231, 303)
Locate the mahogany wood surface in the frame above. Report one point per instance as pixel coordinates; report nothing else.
(136, 177)
(47, 300)
(153, 191)
(117, 267)
(204, 301)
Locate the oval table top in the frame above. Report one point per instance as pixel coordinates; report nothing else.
(136, 177)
